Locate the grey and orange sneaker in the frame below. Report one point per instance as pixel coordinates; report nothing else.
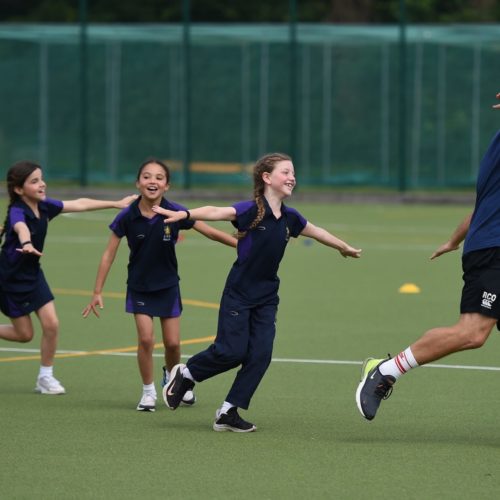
(373, 388)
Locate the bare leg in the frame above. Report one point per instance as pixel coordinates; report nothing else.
(145, 347)
(50, 333)
(471, 332)
(170, 328)
(21, 330)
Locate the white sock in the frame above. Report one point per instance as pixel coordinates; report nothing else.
(46, 371)
(149, 389)
(187, 374)
(399, 364)
(225, 407)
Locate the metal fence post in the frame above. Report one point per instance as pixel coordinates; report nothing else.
(186, 44)
(83, 92)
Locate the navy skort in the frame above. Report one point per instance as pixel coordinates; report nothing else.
(164, 303)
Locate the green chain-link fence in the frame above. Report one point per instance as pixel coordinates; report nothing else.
(332, 98)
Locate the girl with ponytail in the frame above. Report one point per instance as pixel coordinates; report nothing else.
(247, 314)
(23, 288)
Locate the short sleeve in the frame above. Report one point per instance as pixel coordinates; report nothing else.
(16, 214)
(246, 211)
(54, 207)
(296, 222)
(118, 226)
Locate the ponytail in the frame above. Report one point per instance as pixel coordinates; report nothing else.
(16, 177)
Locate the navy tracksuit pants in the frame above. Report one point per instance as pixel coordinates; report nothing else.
(245, 336)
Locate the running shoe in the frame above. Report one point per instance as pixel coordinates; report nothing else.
(177, 386)
(231, 421)
(189, 399)
(373, 388)
(49, 385)
(147, 403)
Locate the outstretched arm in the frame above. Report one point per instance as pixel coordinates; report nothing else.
(87, 204)
(323, 236)
(24, 235)
(107, 260)
(202, 213)
(456, 238)
(215, 234)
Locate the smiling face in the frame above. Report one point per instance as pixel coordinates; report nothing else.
(153, 181)
(282, 178)
(33, 189)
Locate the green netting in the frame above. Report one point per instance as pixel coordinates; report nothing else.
(332, 99)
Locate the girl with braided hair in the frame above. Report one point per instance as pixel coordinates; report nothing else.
(23, 288)
(247, 314)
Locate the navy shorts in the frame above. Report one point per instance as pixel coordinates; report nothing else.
(481, 290)
(17, 304)
(164, 303)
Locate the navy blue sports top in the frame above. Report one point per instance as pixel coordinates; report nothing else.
(253, 277)
(20, 272)
(484, 230)
(152, 262)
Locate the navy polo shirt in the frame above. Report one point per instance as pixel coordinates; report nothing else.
(152, 262)
(20, 272)
(484, 230)
(254, 275)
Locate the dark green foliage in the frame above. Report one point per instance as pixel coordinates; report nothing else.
(361, 11)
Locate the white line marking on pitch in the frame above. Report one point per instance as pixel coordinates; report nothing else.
(275, 360)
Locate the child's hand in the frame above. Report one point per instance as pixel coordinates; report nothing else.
(92, 306)
(125, 202)
(30, 249)
(171, 215)
(350, 252)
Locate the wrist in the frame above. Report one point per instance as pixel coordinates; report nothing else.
(27, 242)
(188, 214)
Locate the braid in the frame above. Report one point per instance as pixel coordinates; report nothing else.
(16, 176)
(4, 227)
(261, 210)
(264, 164)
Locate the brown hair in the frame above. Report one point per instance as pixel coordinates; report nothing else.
(16, 177)
(264, 164)
(162, 164)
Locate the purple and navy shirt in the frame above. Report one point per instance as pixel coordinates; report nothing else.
(20, 272)
(254, 275)
(152, 262)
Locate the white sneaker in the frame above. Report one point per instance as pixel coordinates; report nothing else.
(49, 385)
(189, 399)
(147, 403)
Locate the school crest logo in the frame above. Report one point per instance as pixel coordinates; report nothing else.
(167, 233)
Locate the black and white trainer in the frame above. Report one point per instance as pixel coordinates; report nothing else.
(177, 386)
(231, 421)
